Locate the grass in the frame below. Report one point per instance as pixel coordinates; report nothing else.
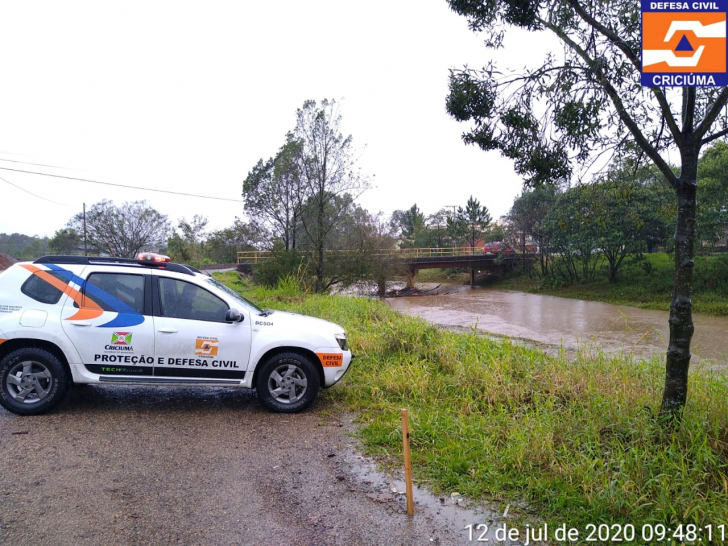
(451, 276)
(568, 440)
(643, 283)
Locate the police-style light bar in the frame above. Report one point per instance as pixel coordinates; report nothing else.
(152, 257)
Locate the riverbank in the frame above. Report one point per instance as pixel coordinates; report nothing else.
(645, 283)
(557, 439)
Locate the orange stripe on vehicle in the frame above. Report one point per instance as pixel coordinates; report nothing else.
(331, 360)
(50, 279)
(2, 341)
(88, 308)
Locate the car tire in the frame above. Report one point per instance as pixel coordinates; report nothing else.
(32, 381)
(287, 383)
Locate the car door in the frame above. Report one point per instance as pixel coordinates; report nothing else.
(109, 322)
(192, 338)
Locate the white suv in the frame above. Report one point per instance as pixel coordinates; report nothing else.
(75, 319)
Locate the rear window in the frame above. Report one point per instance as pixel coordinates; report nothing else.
(42, 291)
(117, 292)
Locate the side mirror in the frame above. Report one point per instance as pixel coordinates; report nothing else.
(233, 315)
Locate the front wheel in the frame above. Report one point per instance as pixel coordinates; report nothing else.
(287, 383)
(32, 381)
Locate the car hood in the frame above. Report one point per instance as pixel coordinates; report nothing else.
(283, 319)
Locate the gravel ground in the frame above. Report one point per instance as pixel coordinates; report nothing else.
(148, 465)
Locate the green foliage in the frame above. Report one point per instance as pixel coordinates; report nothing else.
(468, 223)
(630, 217)
(187, 243)
(23, 247)
(573, 234)
(495, 232)
(355, 255)
(328, 170)
(190, 244)
(223, 245)
(527, 219)
(280, 265)
(711, 275)
(65, 241)
(436, 235)
(36, 249)
(712, 215)
(122, 231)
(623, 214)
(411, 226)
(274, 192)
(573, 438)
(303, 192)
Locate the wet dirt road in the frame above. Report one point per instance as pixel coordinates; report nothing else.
(149, 465)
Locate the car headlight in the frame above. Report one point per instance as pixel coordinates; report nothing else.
(341, 340)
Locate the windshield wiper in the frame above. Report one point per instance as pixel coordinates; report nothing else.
(266, 313)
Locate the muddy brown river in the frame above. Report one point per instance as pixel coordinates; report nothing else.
(555, 322)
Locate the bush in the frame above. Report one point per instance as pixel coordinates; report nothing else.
(280, 265)
(711, 273)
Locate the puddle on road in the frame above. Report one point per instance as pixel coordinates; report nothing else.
(452, 515)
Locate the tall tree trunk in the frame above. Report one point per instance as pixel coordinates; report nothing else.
(320, 243)
(293, 232)
(320, 270)
(681, 317)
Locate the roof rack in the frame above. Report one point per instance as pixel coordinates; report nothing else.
(110, 260)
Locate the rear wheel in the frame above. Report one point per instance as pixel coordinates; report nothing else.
(287, 383)
(32, 381)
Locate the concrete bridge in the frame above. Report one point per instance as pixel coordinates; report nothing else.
(415, 259)
(494, 264)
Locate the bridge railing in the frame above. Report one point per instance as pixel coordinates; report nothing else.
(257, 256)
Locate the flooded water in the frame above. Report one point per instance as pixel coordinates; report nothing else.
(569, 323)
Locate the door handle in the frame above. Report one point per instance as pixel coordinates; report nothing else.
(168, 330)
(84, 323)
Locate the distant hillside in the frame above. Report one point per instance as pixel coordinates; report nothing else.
(23, 247)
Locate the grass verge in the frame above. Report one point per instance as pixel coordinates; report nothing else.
(568, 440)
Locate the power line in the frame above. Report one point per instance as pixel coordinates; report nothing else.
(29, 163)
(34, 195)
(123, 185)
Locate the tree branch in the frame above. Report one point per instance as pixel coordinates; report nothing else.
(667, 114)
(688, 113)
(714, 136)
(618, 104)
(712, 114)
(633, 58)
(607, 32)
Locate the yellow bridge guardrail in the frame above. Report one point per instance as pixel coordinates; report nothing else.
(257, 256)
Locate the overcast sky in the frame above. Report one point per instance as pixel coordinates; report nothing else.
(187, 96)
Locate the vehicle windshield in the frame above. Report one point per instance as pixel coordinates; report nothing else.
(233, 294)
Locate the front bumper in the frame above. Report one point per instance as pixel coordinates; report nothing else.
(332, 375)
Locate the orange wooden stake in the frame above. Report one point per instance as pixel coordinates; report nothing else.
(407, 463)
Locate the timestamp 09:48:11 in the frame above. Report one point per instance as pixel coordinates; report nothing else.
(604, 533)
(685, 532)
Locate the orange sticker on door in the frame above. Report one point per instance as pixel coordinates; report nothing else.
(206, 346)
(331, 360)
